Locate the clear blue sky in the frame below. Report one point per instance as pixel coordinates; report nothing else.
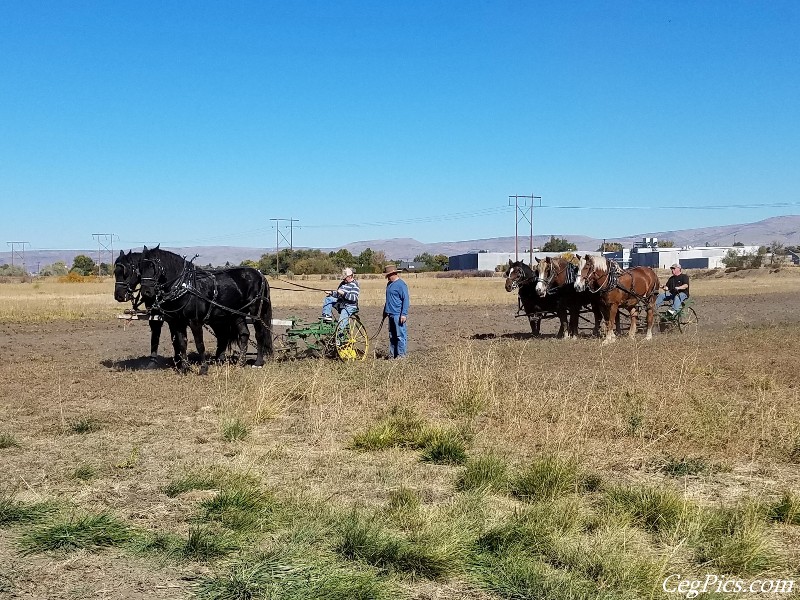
(194, 123)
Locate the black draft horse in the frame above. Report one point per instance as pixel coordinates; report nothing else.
(186, 295)
(555, 277)
(522, 278)
(127, 276)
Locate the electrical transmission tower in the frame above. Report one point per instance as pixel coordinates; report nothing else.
(105, 241)
(279, 236)
(523, 211)
(20, 254)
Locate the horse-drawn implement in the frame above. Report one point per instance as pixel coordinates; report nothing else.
(228, 302)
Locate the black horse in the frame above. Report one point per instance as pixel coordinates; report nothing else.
(187, 295)
(127, 276)
(522, 278)
(127, 279)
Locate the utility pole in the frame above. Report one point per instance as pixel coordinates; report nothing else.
(105, 241)
(19, 253)
(278, 236)
(524, 212)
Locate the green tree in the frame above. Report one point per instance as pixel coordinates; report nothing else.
(739, 244)
(14, 271)
(666, 244)
(610, 247)
(342, 258)
(558, 245)
(83, 265)
(364, 261)
(249, 263)
(432, 263)
(57, 268)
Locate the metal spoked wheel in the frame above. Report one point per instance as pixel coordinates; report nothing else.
(355, 343)
(687, 320)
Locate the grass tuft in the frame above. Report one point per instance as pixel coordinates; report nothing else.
(443, 447)
(686, 466)
(489, 472)
(205, 544)
(234, 430)
(367, 540)
(786, 510)
(13, 511)
(89, 532)
(655, 509)
(212, 479)
(84, 472)
(547, 478)
(8, 441)
(402, 427)
(238, 508)
(733, 540)
(278, 574)
(84, 425)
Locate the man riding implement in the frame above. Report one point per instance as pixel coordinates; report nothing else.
(676, 289)
(344, 299)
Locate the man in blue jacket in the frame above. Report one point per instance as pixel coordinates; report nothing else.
(344, 299)
(396, 310)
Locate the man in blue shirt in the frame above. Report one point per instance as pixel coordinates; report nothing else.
(396, 310)
(344, 299)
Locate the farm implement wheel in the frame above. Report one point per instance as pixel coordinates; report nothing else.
(354, 342)
(687, 320)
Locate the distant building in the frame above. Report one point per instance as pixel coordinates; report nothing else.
(489, 261)
(410, 265)
(649, 254)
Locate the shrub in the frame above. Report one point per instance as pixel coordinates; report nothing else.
(546, 479)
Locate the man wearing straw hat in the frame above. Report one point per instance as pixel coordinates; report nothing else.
(396, 310)
(344, 299)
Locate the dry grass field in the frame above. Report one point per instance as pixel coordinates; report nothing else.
(486, 465)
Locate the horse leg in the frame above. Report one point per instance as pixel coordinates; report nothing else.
(598, 318)
(180, 359)
(242, 337)
(155, 336)
(611, 317)
(536, 324)
(634, 314)
(197, 331)
(564, 330)
(651, 309)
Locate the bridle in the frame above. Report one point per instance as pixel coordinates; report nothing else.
(129, 281)
(518, 280)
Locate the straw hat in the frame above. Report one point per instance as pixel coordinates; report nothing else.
(347, 272)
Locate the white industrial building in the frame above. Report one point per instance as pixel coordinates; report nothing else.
(646, 253)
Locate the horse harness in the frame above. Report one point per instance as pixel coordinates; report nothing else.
(186, 283)
(614, 272)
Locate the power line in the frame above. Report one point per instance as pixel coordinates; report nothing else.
(278, 235)
(15, 252)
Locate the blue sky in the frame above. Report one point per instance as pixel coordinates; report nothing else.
(195, 123)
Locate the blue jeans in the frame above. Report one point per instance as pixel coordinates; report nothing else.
(397, 337)
(345, 311)
(677, 299)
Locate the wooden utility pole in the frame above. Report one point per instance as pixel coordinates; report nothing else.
(524, 212)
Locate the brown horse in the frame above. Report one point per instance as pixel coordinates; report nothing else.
(617, 289)
(554, 279)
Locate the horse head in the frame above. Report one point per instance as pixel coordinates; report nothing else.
(126, 275)
(151, 273)
(517, 274)
(591, 270)
(545, 272)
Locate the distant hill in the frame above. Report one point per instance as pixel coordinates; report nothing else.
(785, 230)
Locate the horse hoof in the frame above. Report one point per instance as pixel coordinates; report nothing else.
(204, 370)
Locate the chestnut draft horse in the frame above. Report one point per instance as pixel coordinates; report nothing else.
(555, 278)
(617, 289)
